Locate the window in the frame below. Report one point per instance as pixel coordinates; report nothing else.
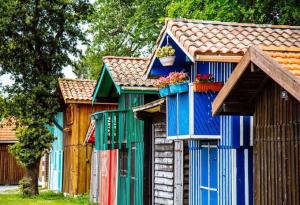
(123, 161)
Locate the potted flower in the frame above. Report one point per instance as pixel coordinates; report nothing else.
(178, 82)
(175, 82)
(205, 83)
(163, 84)
(166, 55)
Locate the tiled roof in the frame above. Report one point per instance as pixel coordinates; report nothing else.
(7, 132)
(128, 71)
(77, 90)
(290, 60)
(198, 36)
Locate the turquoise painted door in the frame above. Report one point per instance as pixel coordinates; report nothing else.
(209, 174)
(56, 155)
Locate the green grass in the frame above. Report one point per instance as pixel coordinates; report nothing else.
(45, 198)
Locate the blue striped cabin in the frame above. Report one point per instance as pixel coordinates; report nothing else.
(220, 148)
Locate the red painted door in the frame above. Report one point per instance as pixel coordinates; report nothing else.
(108, 177)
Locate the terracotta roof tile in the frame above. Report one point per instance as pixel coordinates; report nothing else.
(7, 132)
(77, 90)
(128, 71)
(288, 59)
(242, 35)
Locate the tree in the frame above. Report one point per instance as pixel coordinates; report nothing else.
(37, 38)
(244, 11)
(122, 28)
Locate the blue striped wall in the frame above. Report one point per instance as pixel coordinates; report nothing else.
(234, 170)
(204, 122)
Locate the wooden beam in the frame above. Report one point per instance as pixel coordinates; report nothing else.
(232, 81)
(218, 58)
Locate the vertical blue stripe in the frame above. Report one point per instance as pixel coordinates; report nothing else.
(250, 165)
(240, 177)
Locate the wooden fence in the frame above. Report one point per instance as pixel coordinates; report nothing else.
(10, 171)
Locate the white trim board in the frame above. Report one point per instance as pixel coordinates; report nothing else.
(200, 137)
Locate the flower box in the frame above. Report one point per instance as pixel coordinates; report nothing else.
(179, 88)
(163, 92)
(207, 86)
(167, 61)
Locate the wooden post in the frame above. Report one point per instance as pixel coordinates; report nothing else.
(178, 172)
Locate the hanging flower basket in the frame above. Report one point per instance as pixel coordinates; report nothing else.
(207, 86)
(166, 55)
(163, 92)
(179, 88)
(167, 61)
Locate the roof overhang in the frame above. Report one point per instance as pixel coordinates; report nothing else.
(249, 78)
(147, 110)
(8, 141)
(105, 85)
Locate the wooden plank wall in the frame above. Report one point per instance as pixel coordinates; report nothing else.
(276, 148)
(77, 156)
(10, 171)
(95, 172)
(163, 166)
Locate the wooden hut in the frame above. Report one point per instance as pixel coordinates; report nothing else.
(170, 159)
(10, 171)
(220, 146)
(123, 141)
(70, 158)
(266, 84)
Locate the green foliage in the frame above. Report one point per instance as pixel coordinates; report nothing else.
(248, 11)
(37, 38)
(165, 51)
(33, 140)
(121, 28)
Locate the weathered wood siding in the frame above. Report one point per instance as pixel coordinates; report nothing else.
(95, 171)
(276, 148)
(164, 169)
(10, 171)
(163, 166)
(77, 155)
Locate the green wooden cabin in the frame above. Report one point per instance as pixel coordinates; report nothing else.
(121, 80)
